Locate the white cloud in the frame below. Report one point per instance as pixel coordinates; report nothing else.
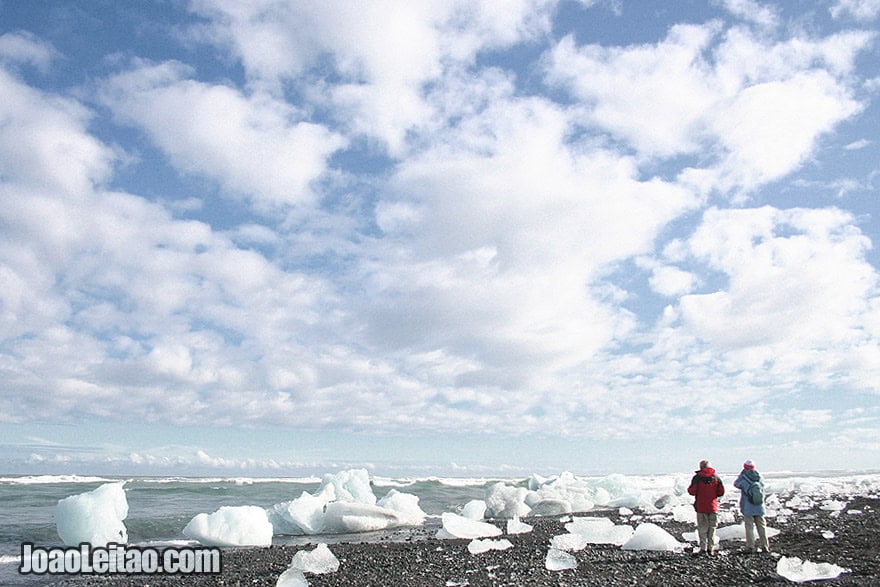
(753, 11)
(672, 281)
(256, 146)
(864, 10)
(23, 47)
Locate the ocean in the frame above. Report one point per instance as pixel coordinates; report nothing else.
(160, 507)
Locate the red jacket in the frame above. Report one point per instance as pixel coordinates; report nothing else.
(707, 488)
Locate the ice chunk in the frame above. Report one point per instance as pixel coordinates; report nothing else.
(479, 546)
(551, 507)
(245, 525)
(94, 517)
(318, 561)
(515, 526)
(738, 532)
(832, 505)
(349, 485)
(568, 542)
(650, 536)
(828, 535)
(406, 506)
(341, 517)
(559, 560)
(600, 530)
(475, 509)
(303, 515)
(455, 526)
(504, 501)
(799, 571)
(292, 577)
(684, 513)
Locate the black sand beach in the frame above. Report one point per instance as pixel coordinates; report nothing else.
(422, 560)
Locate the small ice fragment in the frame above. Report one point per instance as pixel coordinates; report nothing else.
(455, 526)
(515, 526)
(318, 561)
(478, 546)
(292, 577)
(559, 560)
(828, 535)
(799, 571)
(568, 542)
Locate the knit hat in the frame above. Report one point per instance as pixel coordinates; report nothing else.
(748, 465)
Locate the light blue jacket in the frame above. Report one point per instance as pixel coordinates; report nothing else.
(743, 482)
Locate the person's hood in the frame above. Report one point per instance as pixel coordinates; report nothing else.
(706, 472)
(751, 474)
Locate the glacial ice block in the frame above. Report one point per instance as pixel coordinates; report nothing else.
(95, 517)
(650, 536)
(455, 526)
(341, 517)
(245, 525)
(317, 561)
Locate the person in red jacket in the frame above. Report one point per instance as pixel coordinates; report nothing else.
(707, 487)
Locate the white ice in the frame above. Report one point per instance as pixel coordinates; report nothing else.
(738, 532)
(456, 526)
(245, 525)
(475, 509)
(292, 577)
(650, 536)
(559, 560)
(345, 502)
(318, 561)
(95, 516)
(600, 530)
(799, 571)
(505, 501)
(568, 542)
(515, 526)
(479, 546)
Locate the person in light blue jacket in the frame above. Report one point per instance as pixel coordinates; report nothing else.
(753, 513)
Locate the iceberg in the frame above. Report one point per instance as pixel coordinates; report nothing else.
(800, 571)
(650, 536)
(246, 525)
(456, 526)
(479, 546)
(95, 517)
(303, 515)
(406, 506)
(349, 485)
(559, 560)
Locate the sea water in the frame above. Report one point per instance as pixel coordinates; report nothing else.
(160, 507)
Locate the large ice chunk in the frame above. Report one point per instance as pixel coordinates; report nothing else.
(342, 517)
(245, 525)
(406, 506)
(455, 526)
(600, 530)
(95, 517)
(799, 571)
(318, 561)
(475, 509)
(650, 536)
(303, 515)
(505, 501)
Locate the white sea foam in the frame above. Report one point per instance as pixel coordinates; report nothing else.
(52, 479)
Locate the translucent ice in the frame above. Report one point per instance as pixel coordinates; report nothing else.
(245, 525)
(350, 485)
(650, 536)
(475, 509)
(317, 561)
(515, 526)
(568, 542)
(303, 515)
(738, 532)
(95, 516)
(406, 506)
(600, 530)
(479, 546)
(559, 560)
(799, 571)
(455, 526)
(292, 577)
(341, 517)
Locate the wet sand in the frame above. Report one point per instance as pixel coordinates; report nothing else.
(418, 559)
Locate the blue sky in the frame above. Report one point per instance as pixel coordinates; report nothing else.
(438, 237)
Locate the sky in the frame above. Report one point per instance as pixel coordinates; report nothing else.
(438, 237)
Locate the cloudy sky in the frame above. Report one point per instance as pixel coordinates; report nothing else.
(271, 237)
